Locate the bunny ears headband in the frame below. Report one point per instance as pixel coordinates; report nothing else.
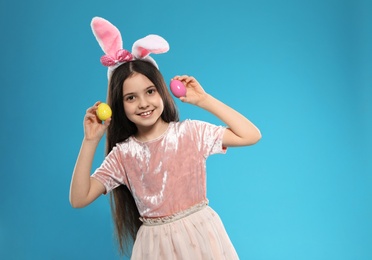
(109, 38)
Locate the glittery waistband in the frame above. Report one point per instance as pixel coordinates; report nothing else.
(174, 217)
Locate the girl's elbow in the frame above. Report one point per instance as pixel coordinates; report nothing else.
(255, 138)
(258, 137)
(76, 204)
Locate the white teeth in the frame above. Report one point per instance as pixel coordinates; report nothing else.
(146, 113)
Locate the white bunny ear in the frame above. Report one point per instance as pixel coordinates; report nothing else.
(107, 35)
(149, 44)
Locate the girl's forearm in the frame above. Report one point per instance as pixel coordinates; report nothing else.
(245, 131)
(80, 183)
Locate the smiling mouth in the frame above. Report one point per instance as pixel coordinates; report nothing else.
(147, 113)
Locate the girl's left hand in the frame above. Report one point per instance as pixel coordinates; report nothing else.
(194, 91)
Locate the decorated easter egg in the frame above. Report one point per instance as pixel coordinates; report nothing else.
(104, 111)
(177, 88)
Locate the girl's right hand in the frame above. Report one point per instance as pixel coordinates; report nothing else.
(93, 127)
(195, 93)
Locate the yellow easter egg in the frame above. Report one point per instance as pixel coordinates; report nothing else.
(104, 111)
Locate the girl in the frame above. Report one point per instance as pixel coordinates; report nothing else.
(155, 165)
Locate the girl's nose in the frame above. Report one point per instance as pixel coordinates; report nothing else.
(143, 103)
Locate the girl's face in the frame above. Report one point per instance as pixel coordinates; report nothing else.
(143, 104)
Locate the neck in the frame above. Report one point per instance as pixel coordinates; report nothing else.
(152, 132)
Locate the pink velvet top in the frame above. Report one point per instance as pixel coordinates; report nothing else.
(165, 175)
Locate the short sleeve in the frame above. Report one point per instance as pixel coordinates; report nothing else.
(111, 173)
(209, 137)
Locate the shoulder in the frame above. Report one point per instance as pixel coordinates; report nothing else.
(193, 127)
(185, 125)
(190, 122)
(123, 146)
(198, 124)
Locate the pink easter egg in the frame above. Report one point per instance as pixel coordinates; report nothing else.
(177, 88)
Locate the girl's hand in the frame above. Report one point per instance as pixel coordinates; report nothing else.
(195, 94)
(93, 127)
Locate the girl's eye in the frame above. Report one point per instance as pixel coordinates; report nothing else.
(151, 91)
(129, 98)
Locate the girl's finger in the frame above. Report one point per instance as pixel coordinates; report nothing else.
(107, 122)
(94, 107)
(91, 116)
(181, 78)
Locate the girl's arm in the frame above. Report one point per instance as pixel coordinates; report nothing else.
(84, 189)
(240, 131)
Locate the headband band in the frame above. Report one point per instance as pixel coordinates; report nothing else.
(109, 38)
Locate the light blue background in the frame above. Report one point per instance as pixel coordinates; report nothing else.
(300, 70)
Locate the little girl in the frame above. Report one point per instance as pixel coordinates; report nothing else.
(155, 168)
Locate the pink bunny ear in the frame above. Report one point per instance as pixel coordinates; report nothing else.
(109, 38)
(149, 44)
(107, 35)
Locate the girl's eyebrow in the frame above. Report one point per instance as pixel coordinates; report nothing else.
(129, 94)
(152, 86)
(132, 93)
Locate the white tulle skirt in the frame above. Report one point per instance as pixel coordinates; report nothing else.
(200, 235)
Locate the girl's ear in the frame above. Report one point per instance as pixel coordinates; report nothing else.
(107, 35)
(149, 44)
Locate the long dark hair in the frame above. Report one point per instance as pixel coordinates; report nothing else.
(123, 206)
